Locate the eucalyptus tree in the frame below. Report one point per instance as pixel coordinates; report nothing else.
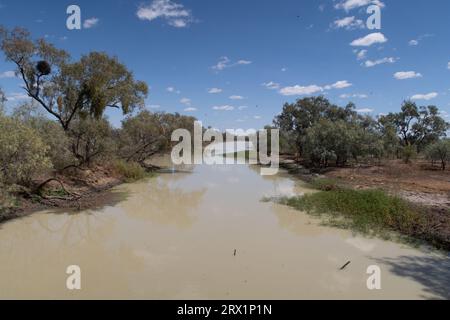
(65, 88)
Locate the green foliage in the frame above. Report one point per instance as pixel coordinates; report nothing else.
(439, 151)
(149, 133)
(368, 211)
(23, 154)
(337, 141)
(54, 136)
(91, 140)
(409, 152)
(131, 171)
(67, 89)
(416, 126)
(8, 203)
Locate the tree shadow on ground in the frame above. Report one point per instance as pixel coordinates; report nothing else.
(431, 272)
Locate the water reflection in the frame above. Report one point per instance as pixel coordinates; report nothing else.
(164, 202)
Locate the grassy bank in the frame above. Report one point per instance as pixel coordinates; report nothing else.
(372, 212)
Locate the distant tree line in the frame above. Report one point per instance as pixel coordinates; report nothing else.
(323, 134)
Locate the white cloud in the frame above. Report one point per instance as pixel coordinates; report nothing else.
(370, 39)
(154, 106)
(223, 108)
(271, 85)
(300, 90)
(356, 95)
(237, 98)
(364, 110)
(225, 62)
(175, 14)
(173, 90)
(428, 96)
(186, 102)
(371, 63)
(339, 85)
(190, 109)
(284, 69)
(243, 107)
(415, 42)
(361, 54)
(215, 90)
(312, 89)
(7, 74)
(257, 117)
(348, 23)
(348, 5)
(17, 96)
(403, 75)
(448, 65)
(90, 23)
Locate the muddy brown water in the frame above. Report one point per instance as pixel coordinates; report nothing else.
(203, 233)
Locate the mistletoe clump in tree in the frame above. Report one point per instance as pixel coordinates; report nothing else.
(69, 89)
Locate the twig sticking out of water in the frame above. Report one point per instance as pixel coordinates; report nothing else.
(235, 252)
(345, 265)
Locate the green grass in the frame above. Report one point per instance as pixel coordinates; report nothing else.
(131, 171)
(373, 213)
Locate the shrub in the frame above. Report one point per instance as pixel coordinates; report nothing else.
(131, 171)
(409, 153)
(23, 154)
(439, 151)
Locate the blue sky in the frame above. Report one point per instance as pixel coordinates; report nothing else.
(255, 54)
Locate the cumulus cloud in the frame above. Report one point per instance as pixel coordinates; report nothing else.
(348, 23)
(225, 62)
(360, 54)
(312, 89)
(236, 98)
(348, 5)
(300, 90)
(416, 42)
(190, 109)
(173, 90)
(223, 108)
(271, 85)
(427, 96)
(339, 85)
(364, 110)
(373, 63)
(356, 95)
(448, 65)
(370, 39)
(403, 75)
(90, 23)
(175, 14)
(215, 90)
(186, 102)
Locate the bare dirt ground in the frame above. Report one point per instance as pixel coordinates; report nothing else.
(417, 182)
(76, 189)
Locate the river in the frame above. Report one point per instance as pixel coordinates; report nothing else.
(204, 234)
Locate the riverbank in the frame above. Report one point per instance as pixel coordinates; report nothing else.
(73, 189)
(380, 200)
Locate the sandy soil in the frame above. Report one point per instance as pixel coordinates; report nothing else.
(419, 183)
